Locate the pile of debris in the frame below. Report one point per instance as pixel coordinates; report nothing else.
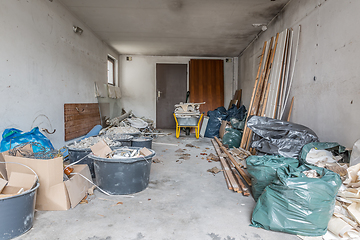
(86, 143)
(131, 124)
(235, 176)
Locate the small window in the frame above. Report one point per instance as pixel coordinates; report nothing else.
(111, 70)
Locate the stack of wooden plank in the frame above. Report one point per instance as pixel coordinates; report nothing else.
(273, 81)
(235, 176)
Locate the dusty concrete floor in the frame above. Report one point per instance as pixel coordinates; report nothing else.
(183, 201)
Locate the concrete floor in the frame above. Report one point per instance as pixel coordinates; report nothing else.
(183, 201)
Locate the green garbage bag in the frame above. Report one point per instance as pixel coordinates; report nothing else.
(262, 170)
(297, 204)
(237, 124)
(334, 147)
(232, 138)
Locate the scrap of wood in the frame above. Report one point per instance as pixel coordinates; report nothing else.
(230, 175)
(354, 210)
(246, 129)
(226, 178)
(226, 168)
(236, 164)
(291, 107)
(243, 188)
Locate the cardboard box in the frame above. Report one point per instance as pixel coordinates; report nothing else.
(3, 183)
(222, 128)
(53, 193)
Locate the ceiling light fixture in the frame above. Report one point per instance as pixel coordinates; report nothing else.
(262, 25)
(77, 30)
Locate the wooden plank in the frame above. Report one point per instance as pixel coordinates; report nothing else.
(234, 162)
(218, 151)
(283, 77)
(243, 140)
(260, 91)
(239, 98)
(293, 69)
(290, 110)
(227, 169)
(286, 82)
(265, 95)
(80, 118)
(265, 100)
(245, 191)
(253, 104)
(239, 180)
(275, 75)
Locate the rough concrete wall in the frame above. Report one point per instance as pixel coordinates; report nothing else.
(138, 82)
(326, 85)
(44, 64)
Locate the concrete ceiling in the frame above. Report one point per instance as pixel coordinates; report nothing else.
(209, 28)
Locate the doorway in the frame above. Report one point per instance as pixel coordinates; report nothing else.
(171, 86)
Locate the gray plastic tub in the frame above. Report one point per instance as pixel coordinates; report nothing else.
(142, 142)
(125, 139)
(122, 175)
(17, 213)
(76, 154)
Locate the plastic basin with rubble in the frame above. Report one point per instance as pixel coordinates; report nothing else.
(121, 176)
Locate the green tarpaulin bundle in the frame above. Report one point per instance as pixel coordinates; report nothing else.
(262, 170)
(297, 204)
(330, 146)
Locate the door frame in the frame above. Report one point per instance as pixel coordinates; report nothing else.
(155, 84)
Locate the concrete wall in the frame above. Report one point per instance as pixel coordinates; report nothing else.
(138, 82)
(328, 53)
(44, 64)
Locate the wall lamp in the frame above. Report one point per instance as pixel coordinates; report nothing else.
(77, 30)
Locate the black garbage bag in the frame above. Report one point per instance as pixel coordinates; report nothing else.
(214, 123)
(238, 113)
(297, 204)
(277, 137)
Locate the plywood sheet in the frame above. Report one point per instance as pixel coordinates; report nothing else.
(206, 83)
(80, 118)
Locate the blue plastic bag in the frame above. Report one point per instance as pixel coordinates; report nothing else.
(14, 137)
(215, 118)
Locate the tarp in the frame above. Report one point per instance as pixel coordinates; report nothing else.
(320, 146)
(277, 137)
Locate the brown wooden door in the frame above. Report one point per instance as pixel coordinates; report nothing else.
(171, 89)
(206, 83)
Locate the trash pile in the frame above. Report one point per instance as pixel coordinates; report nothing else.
(226, 124)
(90, 141)
(121, 171)
(130, 124)
(306, 186)
(115, 131)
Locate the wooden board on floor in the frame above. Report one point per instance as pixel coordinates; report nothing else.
(80, 118)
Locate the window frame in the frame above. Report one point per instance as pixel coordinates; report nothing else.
(112, 61)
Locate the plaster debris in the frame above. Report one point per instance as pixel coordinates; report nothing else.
(90, 141)
(120, 130)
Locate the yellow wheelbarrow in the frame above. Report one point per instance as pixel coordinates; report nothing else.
(188, 121)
